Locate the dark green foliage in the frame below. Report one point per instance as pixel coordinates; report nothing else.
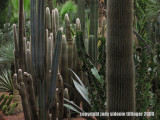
(102, 56)
(96, 86)
(68, 7)
(3, 12)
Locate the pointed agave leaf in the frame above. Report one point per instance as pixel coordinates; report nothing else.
(77, 95)
(79, 80)
(71, 108)
(70, 103)
(55, 60)
(97, 76)
(82, 90)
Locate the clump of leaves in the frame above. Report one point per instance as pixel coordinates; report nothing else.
(6, 82)
(68, 7)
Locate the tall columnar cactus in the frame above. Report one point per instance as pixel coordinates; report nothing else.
(94, 21)
(64, 60)
(91, 49)
(120, 68)
(81, 13)
(70, 45)
(18, 83)
(103, 27)
(21, 35)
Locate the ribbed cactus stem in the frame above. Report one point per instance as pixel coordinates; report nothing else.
(21, 34)
(91, 49)
(78, 24)
(57, 19)
(103, 27)
(25, 103)
(81, 13)
(54, 108)
(66, 95)
(30, 89)
(75, 56)
(70, 45)
(16, 48)
(94, 21)
(61, 96)
(64, 60)
(54, 26)
(68, 29)
(22, 91)
(120, 67)
(48, 19)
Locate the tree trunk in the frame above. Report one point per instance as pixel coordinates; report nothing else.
(120, 67)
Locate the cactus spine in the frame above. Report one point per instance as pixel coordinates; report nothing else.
(120, 70)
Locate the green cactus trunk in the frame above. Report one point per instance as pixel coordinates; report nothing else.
(94, 22)
(120, 66)
(81, 13)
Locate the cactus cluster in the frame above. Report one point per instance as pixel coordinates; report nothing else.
(5, 104)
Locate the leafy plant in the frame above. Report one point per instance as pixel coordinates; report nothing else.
(6, 53)
(6, 82)
(70, 8)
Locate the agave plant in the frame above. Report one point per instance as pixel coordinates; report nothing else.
(6, 53)
(6, 82)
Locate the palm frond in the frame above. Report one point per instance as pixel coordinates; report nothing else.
(6, 82)
(6, 53)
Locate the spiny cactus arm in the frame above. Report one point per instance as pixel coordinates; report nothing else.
(9, 110)
(48, 19)
(15, 83)
(103, 27)
(28, 78)
(15, 37)
(22, 92)
(57, 19)
(54, 107)
(54, 71)
(53, 26)
(28, 60)
(120, 67)
(21, 35)
(68, 30)
(1, 97)
(78, 25)
(10, 100)
(91, 49)
(61, 96)
(3, 102)
(81, 13)
(20, 76)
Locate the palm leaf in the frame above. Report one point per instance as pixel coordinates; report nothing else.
(6, 82)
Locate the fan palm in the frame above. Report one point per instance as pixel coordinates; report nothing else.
(6, 82)
(6, 53)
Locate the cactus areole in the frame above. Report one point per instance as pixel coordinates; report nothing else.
(120, 70)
